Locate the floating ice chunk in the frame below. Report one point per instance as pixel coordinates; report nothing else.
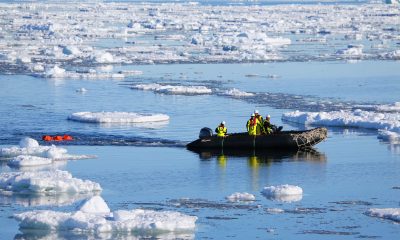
(283, 193)
(28, 142)
(117, 117)
(351, 51)
(173, 89)
(395, 107)
(31, 147)
(71, 50)
(103, 57)
(98, 222)
(386, 213)
(95, 205)
(38, 68)
(27, 161)
(47, 182)
(237, 93)
(237, 196)
(392, 137)
(55, 72)
(81, 90)
(356, 118)
(274, 210)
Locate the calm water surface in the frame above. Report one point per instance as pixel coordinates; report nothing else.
(349, 173)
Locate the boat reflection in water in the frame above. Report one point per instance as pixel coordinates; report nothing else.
(261, 157)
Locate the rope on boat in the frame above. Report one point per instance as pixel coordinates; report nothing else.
(310, 138)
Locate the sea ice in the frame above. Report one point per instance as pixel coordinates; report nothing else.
(356, 118)
(27, 161)
(117, 117)
(31, 147)
(392, 137)
(45, 182)
(386, 213)
(190, 90)
(93, 217)
(283, 193)
(237, 196)
(234, 92)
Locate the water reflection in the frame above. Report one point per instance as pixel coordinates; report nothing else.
(256, 158)
(43, 234)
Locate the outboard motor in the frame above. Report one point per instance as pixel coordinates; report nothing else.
(205, 132)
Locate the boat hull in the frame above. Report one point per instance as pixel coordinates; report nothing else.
(281, 140)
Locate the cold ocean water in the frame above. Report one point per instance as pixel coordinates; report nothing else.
(150, 107)
(349, 173)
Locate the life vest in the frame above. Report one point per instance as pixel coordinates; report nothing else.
(252, 126)
(221, 131)
(259, 127)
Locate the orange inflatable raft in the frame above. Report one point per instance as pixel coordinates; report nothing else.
(57, 138)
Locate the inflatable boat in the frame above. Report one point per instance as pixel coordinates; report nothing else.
(280, 140)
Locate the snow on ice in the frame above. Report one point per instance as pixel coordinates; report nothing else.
(237, 196)
(283, 193)
(188, 90)
(117, 117)
(45, 182)
(94, 216)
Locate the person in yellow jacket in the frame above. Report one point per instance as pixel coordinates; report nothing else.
(260, 127)
(252, 125)
(221, 130)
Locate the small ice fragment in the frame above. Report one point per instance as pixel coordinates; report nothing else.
(386, 213)
(81, 90)
(283, 193)
(237, 196)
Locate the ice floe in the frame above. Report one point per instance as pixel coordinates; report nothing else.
(117, 117)
(386, 213)
(392, 137)
(170, 89)
(45, 182)
(94, 216)
(356, 118)
(29, 200)
(283, 193)
(395, 107)
(238, 196)
(234, 92)
(30, 147)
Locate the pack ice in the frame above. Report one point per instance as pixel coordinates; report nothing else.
(94, 216)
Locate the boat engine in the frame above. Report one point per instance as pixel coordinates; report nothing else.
(205, 132)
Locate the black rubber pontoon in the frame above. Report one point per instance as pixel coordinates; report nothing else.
(280, 140)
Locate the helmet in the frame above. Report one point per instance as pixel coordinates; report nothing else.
(268, 116)
(223, 123)
(253, 115)
(256, 111)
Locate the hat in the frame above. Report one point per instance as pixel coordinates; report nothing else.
(223, 122)
(268, 116)
(256, 111)
(253, 115)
